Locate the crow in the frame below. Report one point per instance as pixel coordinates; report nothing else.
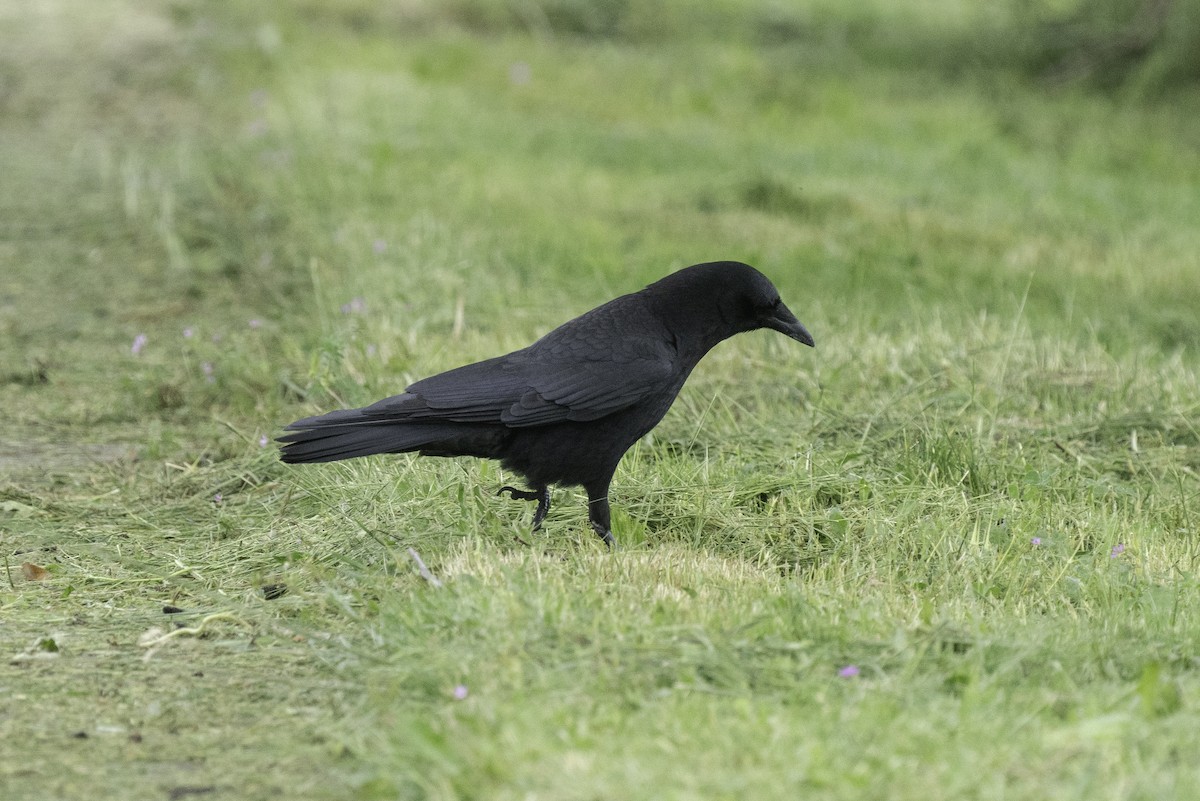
(565, 409)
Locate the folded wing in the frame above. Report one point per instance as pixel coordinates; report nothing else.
(537, 386)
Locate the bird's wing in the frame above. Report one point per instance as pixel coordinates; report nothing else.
(573, 380)
(602, 362)
(582, 372)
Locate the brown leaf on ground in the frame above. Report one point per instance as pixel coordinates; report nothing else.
(33, 572)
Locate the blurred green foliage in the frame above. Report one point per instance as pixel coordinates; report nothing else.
(1149, 45)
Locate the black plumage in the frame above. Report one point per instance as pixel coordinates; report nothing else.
(565, 409)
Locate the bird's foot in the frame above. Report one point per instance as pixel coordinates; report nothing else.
(604, 534)
(541, 495)
(519, 494)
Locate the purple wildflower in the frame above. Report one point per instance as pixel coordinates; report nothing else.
(262, 441)
(218, 498)
(1035, 541)
(259, 97)
(1117, 550)
(379, 246)
(355, 306)
(460, 692)
(208, 369)
(849, 672)
(189, 332)
(139, 342)
(255, 322)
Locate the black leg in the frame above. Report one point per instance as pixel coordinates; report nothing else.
(543, 507)
(598, 513)
(540, 494)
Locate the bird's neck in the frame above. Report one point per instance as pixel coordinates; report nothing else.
(695, 324)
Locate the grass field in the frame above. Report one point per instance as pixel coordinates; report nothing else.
(949, 554)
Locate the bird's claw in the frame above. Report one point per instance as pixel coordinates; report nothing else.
(519, 494)
(541, 495)
(604, 534)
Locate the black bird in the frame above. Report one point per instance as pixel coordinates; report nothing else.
(565, 409)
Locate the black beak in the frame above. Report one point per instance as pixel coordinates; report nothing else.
(782, 320)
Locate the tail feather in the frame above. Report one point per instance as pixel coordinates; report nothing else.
(346, 442)
(348, 433)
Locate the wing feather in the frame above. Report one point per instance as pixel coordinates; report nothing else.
(608, 360)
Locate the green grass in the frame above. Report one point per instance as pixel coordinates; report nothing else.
(980, 490)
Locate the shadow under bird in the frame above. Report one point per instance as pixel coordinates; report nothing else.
(565, 409)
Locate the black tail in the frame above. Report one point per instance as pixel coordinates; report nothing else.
(348, 433)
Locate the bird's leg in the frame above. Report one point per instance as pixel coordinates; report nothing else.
(543, 507)
(540, 494)
(598, 514)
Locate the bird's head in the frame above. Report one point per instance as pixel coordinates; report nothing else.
(754, 301)
(744, 298)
